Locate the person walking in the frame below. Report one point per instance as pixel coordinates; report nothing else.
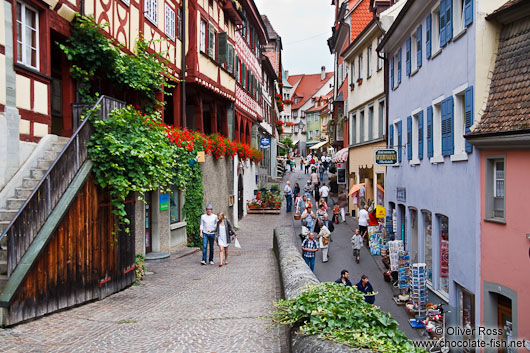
(363, 220)
(309, 218)
(357, 244)
(324, 222)
(306, 167)
(309, 248)
(344, 278)
(321, 170)
(223, 233)
(367, 289)
(343, 203)
(296, 190)
(314, 178)
(300, 206)
(207, 232)
(324, 236)
(324, 192)
(291, 163)
(301, 164)
(321, 212)
(308, 189)
(288, 193)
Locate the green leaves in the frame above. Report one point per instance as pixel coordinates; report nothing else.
(339, 313)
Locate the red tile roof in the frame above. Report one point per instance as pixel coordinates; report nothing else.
(308, 86)
(508, 107)
(360, 17)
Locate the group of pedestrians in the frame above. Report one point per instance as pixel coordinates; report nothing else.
(363, 285)
(215, 229)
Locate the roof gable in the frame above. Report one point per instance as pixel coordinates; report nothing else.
(308, 86)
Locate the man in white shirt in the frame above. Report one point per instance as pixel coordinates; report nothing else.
(288, 193)
(324, 191)
(207, 229)
(363, 220)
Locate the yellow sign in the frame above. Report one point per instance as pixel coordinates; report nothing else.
(380, 212)
(200, 157)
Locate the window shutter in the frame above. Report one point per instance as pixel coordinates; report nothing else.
(179, 24)
(448, 20)
(442, 23)
(399, 66)
(407, 59)
(222, 56)
(468, 12)
(409, 138)
(238, 70)
(243, 74)
(450, 126)
(444, 128)
(420, 135)
(392, 72)
(400, 144)
(428, 36)
(390, 134)
(418, 41)
(430, 149)
(469, 114)
(211, 41)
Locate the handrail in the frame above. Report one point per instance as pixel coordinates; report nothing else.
(54, 180)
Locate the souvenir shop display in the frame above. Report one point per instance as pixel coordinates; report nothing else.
(418, 289)
(404, 270)
(395, 247)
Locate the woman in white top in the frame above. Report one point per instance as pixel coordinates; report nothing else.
(223, 233)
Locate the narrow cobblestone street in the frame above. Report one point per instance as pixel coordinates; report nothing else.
(181, 307)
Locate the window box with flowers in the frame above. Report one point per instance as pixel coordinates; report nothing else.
(359, 81)
(267, 202)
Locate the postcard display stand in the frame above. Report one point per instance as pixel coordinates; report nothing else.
(395, 247)
(404, 271)
(419, 289)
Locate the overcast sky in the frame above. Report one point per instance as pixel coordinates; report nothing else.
(305, 26)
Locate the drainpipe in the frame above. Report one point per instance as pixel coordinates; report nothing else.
(183, 67)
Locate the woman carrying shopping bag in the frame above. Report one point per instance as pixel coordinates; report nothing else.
(223, 233)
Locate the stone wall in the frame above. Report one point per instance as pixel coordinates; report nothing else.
(295, 274)
(218, 181)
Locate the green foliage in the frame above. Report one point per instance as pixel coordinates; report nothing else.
(332, 168)
(193, 206)
(140, 268)
(287, 141)
(339, 313)
(132, 153)
(92, 52)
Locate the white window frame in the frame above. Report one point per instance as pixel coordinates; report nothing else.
(203, 36)
(437, 130)
(458, 17)
(381, 122)
(435, 31)
(25, 60)
(362, 125)
(360, 70)
(380, 61)
(352, 72)
(414, 136)
(491, 184)
(151, 11)
(169, 21)
(369, 61)
(370, 128)
(414, 52)
(459, 125)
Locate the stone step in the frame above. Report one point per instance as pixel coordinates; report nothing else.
(44, 163)
(7, 215)
(14, 204)
(29, 183)
(3, 254)
(3, 281)
(37, 173)
(57, 147)
(62, 140)
(21, 193)
(3, 267)
(3, 226)
(50, 155)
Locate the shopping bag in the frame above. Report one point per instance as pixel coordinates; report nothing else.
(236, 244)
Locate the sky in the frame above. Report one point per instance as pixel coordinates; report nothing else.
(305, 26)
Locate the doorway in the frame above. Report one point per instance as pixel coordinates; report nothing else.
(504, 319)
(414, 235)
(240, 197)
(148, 224)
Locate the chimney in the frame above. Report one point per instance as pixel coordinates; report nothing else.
(286, 74)
(322, 73)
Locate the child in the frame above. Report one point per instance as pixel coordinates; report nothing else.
(357, 244)
(336, 213)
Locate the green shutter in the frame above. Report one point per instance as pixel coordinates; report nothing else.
(222, 42)
(211, 41)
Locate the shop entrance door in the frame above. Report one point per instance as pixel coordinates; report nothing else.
(148, 224)
(504, 317)
(240, 197)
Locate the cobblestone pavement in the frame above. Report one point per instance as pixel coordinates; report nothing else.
(182, 307)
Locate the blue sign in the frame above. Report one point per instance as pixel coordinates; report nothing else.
(265, 142)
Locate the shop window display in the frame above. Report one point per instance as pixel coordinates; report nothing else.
(466, 314)
(174, 206)
(427, 231)
(444, 254)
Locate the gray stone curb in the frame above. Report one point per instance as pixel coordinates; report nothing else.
(295, 275)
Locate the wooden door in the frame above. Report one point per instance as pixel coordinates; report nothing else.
(504, 317)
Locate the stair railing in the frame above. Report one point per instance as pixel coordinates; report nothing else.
(29, 219)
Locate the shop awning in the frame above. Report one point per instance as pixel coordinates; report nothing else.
(282, 145)
(355, 188)
(341, 156)
(319, 145)
(295, 142)
(311, 143)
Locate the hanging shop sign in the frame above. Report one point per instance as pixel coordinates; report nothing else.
(401, 194)
(386, 157)
(341, 176)
(265, 142)
(164, 202)
(380, 212)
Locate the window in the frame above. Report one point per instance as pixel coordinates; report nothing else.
(419, 47)
(495, 181)
(210, 3)
(179, 23)
(310, 134)
(211, 41)
(381, 119)
(413, 52)
(380, 61)
(27, 36)
(203, 36)
(444, 253)
(447, 126)
(435, 29)
(354, 129)
(360, 71)
(459, 124)
(352, 72)
(169, 21)
(369, 62)
(427, 243)
(392, 85)
(370, 122)
(174, 206)
(446, 21)
(230, 59)
(436, 128)
(151, 11)
(458, 20)
(466, 316)
(399, 66)
(361, 127)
